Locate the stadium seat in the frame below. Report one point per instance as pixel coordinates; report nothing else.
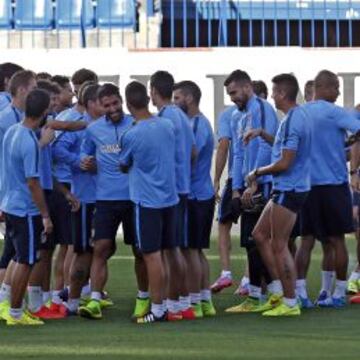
(115, 13)
(68, 13)
(5, 14)
(33, 14)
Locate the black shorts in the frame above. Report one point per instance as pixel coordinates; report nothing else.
(109, 214)
(290, 200)
(155, 228)
(60, 213)
(247, 225)
(201, 214)
(225, 214)
(48, 242)
(25, 234)
(182, 221)
(81, 228)
(8, 251)
(327, 211)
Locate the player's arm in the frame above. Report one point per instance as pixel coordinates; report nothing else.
(220, 162)
(61, 151)
(253, 133)
(87, 153)
(66, 125)
(354, 166)
(126, 153)
(30, 155)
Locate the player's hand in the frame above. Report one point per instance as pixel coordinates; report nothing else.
(251, 134)
(47, 224)
(355, 182)
(247, 195)
(73, 202)
(217, 191)
(251, 177)
(88, 164)
(47, 136)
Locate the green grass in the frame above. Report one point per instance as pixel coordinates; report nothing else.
(317, 334)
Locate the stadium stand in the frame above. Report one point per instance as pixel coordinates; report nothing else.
(183, 23)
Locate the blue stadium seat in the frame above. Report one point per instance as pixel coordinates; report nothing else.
(33, 14)
(5, 14)
(115, 13)
(68, 13)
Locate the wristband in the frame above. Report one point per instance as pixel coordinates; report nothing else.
(353, 172)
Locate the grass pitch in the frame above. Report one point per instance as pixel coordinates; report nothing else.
(317, 334)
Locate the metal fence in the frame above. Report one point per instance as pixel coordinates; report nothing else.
(179, 23)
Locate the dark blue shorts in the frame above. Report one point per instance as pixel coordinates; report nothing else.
(25, 234)
(60, 213)
(155, 228)
(109, 214)
(327, 211)
(201, 214)
(290, 200)
(356, 198)
(182, 221)
(225, 214)
(82, 228)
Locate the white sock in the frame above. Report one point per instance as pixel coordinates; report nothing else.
(301, 288)
(86, 290)
(96, 295)
(226, 274)
(35, 298)
(171, 306)
(185, 302)
(327, 279)
(73, 304)
(255, 291)
(355, 275)
(55, 297)
(340, 289)
(205, 295)
(46, 296)
(244, 281)
(143, 294)
(290, 302)
(5, 290)
(157, 310)
(195, 298)
(16, 313)
(275, 287)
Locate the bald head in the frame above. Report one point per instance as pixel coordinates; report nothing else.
(326, 86)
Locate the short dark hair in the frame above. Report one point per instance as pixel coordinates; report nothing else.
(289, 83)
(325, 78)
(43, 76)
(136, 95)
(163, 82)
(310, 83)
(37, 102)
(82, 75)
(50, 87)
(108, 89)
(7, 70)
(20, 78)
(61, 80)
(89, 93)
(237, 76)
(189, 88)
(260, 87)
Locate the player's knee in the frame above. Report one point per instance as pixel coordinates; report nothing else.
(259, 236)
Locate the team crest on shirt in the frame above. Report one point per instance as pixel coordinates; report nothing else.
(110, 149)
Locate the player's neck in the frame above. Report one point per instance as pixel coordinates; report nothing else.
(141, 115)
(288, 106)
(193, 111)
(30, 123)
(162, 102)
(18, 103)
